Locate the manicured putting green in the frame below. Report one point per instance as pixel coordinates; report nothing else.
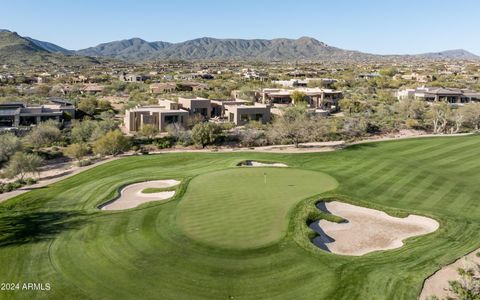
(244, 207)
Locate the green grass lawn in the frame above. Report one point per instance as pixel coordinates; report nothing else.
(251, 205)
(56, 235)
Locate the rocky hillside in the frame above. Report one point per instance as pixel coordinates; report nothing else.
(18, 50)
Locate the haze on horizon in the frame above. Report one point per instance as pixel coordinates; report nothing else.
(373, 26)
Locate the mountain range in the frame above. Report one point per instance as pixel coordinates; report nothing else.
(25, 50)
(18, 50)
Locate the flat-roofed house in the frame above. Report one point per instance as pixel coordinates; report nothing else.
(164, 87)
(92, 88)
(191, 86)
(196, 106)
(156, 115)
(218, 106)
(15, 114)
(169, 104)
(434, 94)
(316, 98)
(242, 114)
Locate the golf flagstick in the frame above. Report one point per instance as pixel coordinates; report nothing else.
(265, 177)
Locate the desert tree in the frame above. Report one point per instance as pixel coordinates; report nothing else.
(149, 131)
(204, 134)
(438, 114)
(472, 115)
(76, 151)
(112, 143)
(9, 144)
(179, 133)
(298, 97)
(43, 135)
(20, 164)
(293, 126)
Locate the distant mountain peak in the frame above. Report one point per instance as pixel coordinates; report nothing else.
(18, 50)
(207, 48)
(451, 54)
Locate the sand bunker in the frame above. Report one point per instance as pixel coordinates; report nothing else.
(366, 230)
(131, 196)
(252, 163)
(437, 284)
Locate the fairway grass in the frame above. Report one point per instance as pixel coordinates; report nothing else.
(242, 208)
(57, 235)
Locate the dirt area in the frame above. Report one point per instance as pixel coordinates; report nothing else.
(437, 284)
(132, 196)
(366, 230)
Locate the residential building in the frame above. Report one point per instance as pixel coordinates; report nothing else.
(421, 78)
(368, 76)
(156, 115)
(432, 94)
(92, 88)
(316, 98)
(191, 86)
(132, 77)
(254, 75)
(169, 104)
(218, 106)
(242, 114)
(293, 83)
(196, 106)
(15, 114)
(164, 87)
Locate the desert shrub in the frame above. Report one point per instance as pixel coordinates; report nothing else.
(165, 142)
(112, 143)
(43, 135)
(30, 181)
(9, 144)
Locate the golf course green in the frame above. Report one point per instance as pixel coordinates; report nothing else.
(251, 204)
(238, 232)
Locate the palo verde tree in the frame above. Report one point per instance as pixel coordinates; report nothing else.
(204, 134)
(293, 126)
(112, 143)
(21, 164)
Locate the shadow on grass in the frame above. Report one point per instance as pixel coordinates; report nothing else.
(362, 146)
(32, 227)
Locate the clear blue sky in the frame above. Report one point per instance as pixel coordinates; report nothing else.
(375, 26)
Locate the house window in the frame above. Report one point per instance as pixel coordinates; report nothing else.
(171, 119)
(244, 118)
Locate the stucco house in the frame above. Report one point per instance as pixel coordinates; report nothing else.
(316, 98)
(242, 114)
(156, 115)
(196, 106)
(433, 94)
(16, 114)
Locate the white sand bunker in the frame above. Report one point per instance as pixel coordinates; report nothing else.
(366, 230)
(438, 285)
(132, 196)
(252, 163)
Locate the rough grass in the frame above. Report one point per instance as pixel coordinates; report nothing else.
(159, 190)
(56, 234)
